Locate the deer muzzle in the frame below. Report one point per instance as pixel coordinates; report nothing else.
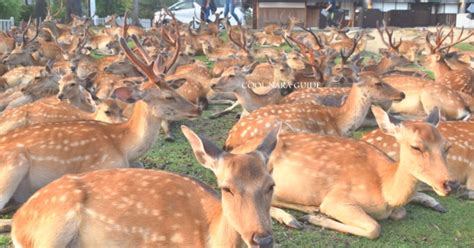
(262, 240)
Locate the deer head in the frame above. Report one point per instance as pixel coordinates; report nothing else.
(423, 146)
(245, 185)
(22, 54)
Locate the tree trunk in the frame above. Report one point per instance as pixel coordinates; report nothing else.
(135, 13)
(73, 7)
(41, 9)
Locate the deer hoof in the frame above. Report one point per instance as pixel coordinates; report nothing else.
(169, 139)
(440, 208)
(5, 225)
(295, 224)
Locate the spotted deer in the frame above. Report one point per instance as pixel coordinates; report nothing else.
(167, 209)
(460, 156)
(310, 117)
(349, 184)
(22, 54)
(41, 153)
(461, 80)
(72, 91)
(422, 95)
(50, 109)
(234, 81)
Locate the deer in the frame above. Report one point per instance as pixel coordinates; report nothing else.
(234, 81)
(22, 53)
(241, 215)
(350, 184)
(461, 80)
(308, 117)
(50, 110)
(38, 146)
(72, 91)
(459, 157)
(422, 95)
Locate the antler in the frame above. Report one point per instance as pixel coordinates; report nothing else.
(344, 54)
(459, 39)
(309, 54)
(242, 43)
(439, 39)
(391, 41)
(24, 40)
(125, 26)
(316, 38)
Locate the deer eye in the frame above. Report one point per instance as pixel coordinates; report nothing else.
(108, 112)
(271, 188)
(227, 190)
(378, 84)
(447, 148)
(73, 84)
(416, 148)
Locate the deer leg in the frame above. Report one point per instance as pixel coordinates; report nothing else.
(11, 207)
(166, 130)
(285, 218)
(428, 202)
(12, 172)
(468, 192)
(222, 102)
(398, 214)
(301, 208)
(225, 111)
(350, 219)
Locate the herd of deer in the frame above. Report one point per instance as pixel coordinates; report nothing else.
(74, 127)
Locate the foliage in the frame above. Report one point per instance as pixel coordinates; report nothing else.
(9, 8)
(25, 12)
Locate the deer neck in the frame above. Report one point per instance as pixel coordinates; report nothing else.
(351, 114)
(439, 68)
(384, 65)
(140, 132)
(80, 102)
(221, 233)
(398, 185)
(251, 101)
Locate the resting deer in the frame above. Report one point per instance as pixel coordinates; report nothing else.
(349, 184)
(309, 117)
(234, 81)
(460, 156)
(48, 110)
(165, 209)
(71, 147)
(22, 54)
(422, 95)
(461, 80)
(72, 91)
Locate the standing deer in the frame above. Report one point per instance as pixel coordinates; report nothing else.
(346, 185)
(309, 117)
(156, 208)
(41, 153)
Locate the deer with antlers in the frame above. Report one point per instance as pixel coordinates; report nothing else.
(241, 216)
(307, 117)
(41, 153)
(349, 184)
(22, 54)
(461, 80)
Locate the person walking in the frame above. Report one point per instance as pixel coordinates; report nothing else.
(331, 9)
(206, 6)
(230, 5)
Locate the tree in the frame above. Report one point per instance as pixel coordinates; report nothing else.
(40, 9)
(9, 8)
(136, 13)
(73, 7)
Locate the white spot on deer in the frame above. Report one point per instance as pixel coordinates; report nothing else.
(177, 238)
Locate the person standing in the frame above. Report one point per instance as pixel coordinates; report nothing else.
(331, 9)
(230, 5)
(206, 10)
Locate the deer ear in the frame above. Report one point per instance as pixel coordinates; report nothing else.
(128, 94)
(204, 150)
(434, 117)
(269, 142)
(386, 124)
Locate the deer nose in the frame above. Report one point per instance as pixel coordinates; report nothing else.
(265, 240)
(450, 186)
(106, 68)
(402, 95)
(61, 96)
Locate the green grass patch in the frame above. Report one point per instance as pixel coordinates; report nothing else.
(465, 46)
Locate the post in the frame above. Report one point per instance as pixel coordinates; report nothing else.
(462, 9)
(92, 7)
(12, 21)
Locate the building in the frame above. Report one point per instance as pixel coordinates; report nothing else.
(363, 13)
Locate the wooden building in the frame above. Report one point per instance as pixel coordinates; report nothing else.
(363, 13)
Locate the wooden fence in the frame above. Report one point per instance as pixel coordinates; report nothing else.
(146, 23)
(5, 24)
